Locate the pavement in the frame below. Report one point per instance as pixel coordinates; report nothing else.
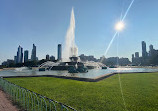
(5, 103)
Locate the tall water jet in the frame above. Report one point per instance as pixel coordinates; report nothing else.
(70, 61)
(70, 49)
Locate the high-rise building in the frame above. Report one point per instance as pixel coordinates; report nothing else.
(26, 56)
(136, 54)
(15, 59)
(132, 58)
(132, 55)
(47, 57)
(59, 51)
(20, 54)
(144, 52)
(52, 58)
(33, 55)
(151, 50)
(151, 47)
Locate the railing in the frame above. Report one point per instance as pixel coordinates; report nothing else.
(30, 100)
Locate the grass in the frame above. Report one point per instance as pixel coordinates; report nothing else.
(140, 91)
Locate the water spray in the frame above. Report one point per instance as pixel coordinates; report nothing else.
(70, 48)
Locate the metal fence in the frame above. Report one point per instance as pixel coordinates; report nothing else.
(30, 100)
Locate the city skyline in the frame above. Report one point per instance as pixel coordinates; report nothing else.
(149, 57)
(136, 58)
(47, 26)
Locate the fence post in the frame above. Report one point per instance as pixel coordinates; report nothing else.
(42, 98)
(35, 101)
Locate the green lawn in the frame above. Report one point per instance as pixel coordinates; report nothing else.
(140, 92)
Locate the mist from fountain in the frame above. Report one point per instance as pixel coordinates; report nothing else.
(48, 64)
(97, 65)
(21, 69)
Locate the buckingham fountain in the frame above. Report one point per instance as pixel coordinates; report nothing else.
(70, 66)
(71, 63)
(70, 60)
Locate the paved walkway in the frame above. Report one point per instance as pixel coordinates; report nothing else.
(5, 104)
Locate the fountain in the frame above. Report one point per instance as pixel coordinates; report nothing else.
(70, 60)
(70, 49)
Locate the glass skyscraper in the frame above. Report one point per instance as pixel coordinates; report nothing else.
(33, 55)
(144, 52)
(26, 55)
(19, 55)
(59, 51)
(151, 50)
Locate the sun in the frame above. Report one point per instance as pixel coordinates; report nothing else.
(119, 26)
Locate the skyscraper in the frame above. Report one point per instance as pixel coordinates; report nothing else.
(15, 59)
(52, 58)
(26, 55)
(132, 58)
(47, 57)
(151, 50)
(20, 54)
(144, 52)
(59, 52)
(33, 55)
(137, 54)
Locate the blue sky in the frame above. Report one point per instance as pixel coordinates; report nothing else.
(45, 22)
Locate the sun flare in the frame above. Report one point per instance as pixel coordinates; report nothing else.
(119, 26)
